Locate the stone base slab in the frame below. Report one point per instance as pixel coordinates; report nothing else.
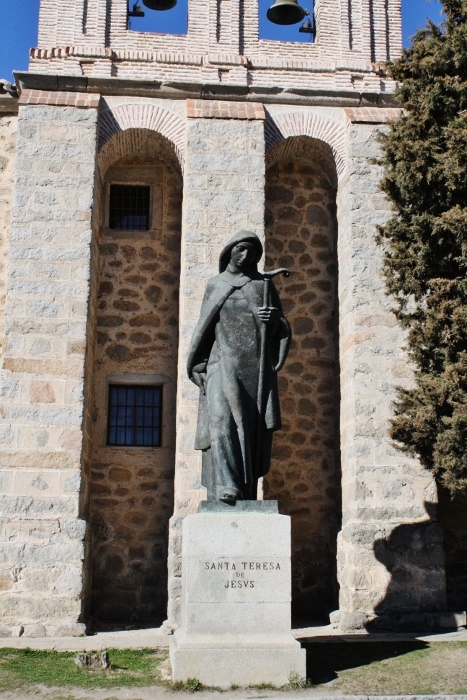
(236, 507)
(398, 622)
(236, 663)
(34, 631)
(236, 594)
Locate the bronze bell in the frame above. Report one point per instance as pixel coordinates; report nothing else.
(285, 12)
(159, 4)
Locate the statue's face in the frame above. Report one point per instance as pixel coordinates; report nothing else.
(243, 255)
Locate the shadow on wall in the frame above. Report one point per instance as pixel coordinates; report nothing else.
(453, 518)
(415, 598)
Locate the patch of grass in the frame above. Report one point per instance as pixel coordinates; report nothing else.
(297, 682)
(27, 667)
(192, 685)
(389, 668)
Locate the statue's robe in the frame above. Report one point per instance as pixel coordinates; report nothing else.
(226, 345)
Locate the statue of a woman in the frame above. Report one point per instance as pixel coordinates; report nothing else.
(237, 373)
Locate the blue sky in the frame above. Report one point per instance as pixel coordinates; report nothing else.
(19, 26)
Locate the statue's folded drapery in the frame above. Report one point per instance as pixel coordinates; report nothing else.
(226, 347)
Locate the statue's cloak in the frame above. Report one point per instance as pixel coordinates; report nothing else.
(218, 290)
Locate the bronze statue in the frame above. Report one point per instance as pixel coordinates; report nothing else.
(240, 343)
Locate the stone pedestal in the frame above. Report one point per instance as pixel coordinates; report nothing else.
(236, 593)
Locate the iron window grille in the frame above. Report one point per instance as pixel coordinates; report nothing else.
(135, 413)
(129, 207)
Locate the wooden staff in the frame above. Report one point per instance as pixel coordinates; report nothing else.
(262, 365)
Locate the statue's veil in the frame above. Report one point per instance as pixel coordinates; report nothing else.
(239, 237)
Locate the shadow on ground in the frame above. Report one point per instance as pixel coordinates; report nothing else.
(94, 625)
(324, 661)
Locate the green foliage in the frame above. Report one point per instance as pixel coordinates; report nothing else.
(425, 242)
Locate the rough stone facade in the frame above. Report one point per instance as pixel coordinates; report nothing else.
(304, 477)
(137, 339)
(229, 132)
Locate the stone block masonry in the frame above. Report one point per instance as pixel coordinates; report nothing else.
(236, 601)
(8, 129)
(390, 555)
(223, 193)
(304, 475)
(42, 527)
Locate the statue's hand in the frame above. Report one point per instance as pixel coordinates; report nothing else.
(268, 314)
(199, 379)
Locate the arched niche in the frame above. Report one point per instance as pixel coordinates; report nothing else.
(301, 234)
(135, 322)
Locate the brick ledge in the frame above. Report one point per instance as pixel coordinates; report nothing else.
(85, 100)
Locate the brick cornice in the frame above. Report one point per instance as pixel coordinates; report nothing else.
(372, 115)
(85, 100)
(221, 109)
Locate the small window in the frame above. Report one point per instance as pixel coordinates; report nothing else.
(134, 415)
(129, 207)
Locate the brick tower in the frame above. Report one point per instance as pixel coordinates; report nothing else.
(129, 159)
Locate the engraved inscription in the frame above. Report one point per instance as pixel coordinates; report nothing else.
(241, 570)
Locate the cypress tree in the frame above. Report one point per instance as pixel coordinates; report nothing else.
(425, 243)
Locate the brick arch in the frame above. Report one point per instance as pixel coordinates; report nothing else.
(290, 124)
(136, 144)
(143, 116)
(306, 149)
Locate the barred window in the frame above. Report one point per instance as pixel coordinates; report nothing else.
(129, 207)
(134, 415)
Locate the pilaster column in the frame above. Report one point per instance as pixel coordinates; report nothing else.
(43, 424)
(390, 555)
(223, 193)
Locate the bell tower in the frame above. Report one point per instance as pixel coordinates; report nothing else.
(222, 45)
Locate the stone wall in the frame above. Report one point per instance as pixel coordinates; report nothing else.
(8, 128)
(137, 340)
(301, 235)
(42, 530)
(390, 556)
